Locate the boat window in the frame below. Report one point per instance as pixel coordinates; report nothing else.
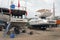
(43, 17)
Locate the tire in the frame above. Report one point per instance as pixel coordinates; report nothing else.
(23, 31)
(31, 33)
(44, 28)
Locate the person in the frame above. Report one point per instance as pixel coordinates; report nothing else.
(16, 30)
(0, 28)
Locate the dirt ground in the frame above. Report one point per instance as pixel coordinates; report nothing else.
(49, 34)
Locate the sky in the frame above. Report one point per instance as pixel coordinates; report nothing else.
(33, 5)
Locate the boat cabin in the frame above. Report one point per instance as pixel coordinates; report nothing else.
(13, 12)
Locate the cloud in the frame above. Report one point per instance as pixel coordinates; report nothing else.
(41, 4)
(4, 3)
(47, 4)
(57, 7)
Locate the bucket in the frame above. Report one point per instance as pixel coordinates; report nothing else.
(12, 35)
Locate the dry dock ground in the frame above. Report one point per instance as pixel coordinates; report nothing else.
(50, 34)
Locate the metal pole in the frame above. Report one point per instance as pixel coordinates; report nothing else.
(9, 23)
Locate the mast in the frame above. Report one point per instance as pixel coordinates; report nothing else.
(26, 8)
(53, 9)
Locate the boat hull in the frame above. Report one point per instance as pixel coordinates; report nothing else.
(43, 26)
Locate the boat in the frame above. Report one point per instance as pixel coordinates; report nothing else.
(41, 21)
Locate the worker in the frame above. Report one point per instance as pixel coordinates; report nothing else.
(16, 30)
